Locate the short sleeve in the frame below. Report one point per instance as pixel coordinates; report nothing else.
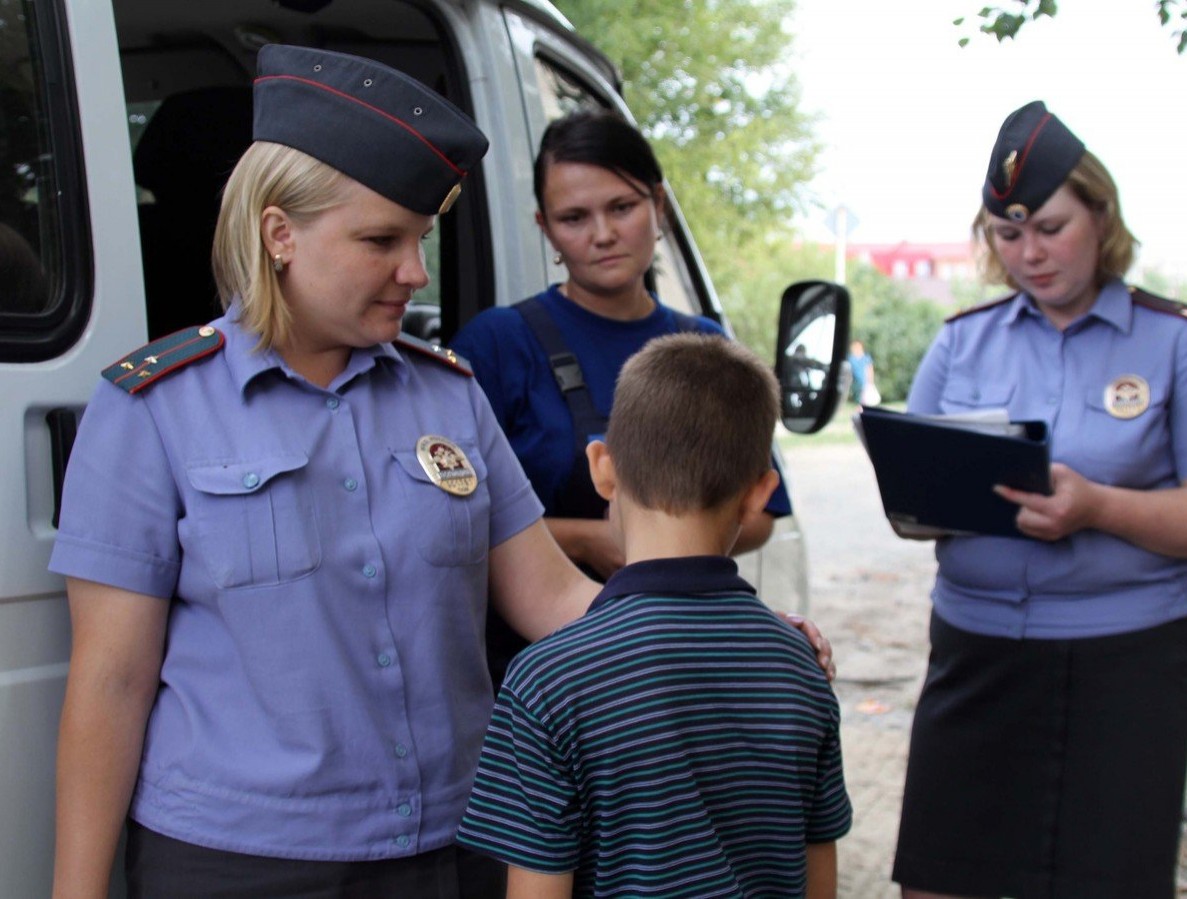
(831, 814)
(120, 504)
(523, 809)
(928, 385)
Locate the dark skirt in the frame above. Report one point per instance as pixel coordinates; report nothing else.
(1047, 768)
(159, 867)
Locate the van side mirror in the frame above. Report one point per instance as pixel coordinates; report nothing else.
(810, 353)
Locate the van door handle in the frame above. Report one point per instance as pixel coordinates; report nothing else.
(63, 426)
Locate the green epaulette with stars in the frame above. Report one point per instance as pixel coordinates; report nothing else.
(166, 354)
(444, 355)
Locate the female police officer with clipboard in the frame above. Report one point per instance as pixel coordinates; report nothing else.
(1050, 742)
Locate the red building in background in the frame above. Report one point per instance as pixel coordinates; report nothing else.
(930, 267)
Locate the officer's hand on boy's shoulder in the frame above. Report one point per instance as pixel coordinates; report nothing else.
(824, 649)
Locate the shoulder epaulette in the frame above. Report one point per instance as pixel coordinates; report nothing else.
(166, 354)
(1157, 303)
(980, 307)
(444, 355)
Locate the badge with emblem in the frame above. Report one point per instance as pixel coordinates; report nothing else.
(446, 465)
(1127, 396)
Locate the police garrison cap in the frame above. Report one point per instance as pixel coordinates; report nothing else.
(1034, 154)
(369, 121)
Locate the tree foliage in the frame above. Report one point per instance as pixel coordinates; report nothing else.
(1003, 23)
(711, 86)
(895, 326)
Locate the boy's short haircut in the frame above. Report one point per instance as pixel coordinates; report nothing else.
(692, 422)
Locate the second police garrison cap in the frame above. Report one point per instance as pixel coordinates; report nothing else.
(369, 121)
(1034, 154)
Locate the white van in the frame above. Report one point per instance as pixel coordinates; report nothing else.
(118, 121)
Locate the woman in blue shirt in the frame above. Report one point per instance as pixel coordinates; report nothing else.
(280, 530)
(1050, 741)
(600, 197)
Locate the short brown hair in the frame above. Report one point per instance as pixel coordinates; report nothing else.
(692, 422)
(1092, 184)
(266, 175)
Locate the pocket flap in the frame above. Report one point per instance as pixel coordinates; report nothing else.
(242, 477)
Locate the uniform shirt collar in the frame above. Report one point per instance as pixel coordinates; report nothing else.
(247, 363)
(1113, 305)
(687, 576)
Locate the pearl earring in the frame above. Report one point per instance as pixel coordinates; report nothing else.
(557, 259)
(278, 263)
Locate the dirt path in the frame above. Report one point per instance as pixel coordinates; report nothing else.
(870, 597)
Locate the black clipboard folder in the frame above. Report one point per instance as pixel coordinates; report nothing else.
(936, 477)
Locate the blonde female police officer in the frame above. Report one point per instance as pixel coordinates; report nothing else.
(279, 532)
(1050, 741)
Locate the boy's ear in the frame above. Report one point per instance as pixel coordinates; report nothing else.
(759, 494)
(601, 469)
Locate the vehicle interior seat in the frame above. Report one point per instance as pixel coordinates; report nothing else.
(183, 158)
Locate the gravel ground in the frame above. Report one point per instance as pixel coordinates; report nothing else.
(869, 594)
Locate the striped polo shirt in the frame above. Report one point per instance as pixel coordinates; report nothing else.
(677, 740)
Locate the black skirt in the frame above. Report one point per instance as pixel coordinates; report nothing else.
(1047, 768)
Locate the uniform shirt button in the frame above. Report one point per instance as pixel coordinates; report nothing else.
(332, 403)
(369, 570)
(401, 751)
(404, 809)
(384, 660)
(402, 841)
(251, 480)
(351, 484)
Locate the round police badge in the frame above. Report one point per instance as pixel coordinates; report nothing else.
(1127, 396)
(446, 465)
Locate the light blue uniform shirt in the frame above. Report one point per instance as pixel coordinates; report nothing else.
(324, 691)
(1008, 355)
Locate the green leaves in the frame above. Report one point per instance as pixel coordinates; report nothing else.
(1004, 23)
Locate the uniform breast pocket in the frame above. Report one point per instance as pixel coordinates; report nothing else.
(255, 521)
(1123, 444)
(449, 530)
(965, 394)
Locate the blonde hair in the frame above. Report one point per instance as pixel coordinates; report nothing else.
(1092, 184)
(266, 175)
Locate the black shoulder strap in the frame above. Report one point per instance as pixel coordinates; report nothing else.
(565, 368)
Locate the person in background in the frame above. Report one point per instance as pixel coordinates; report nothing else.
(1049, 744)
(862, 389)
(679, 739)
(600, 197)
(279, 533)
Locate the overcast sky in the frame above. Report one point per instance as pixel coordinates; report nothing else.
(908, 117)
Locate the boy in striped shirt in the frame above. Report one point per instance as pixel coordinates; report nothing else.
(679, 739)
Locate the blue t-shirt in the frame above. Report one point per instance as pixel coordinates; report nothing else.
(1008, 355)
(513, 369)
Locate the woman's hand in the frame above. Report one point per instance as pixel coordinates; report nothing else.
(589, 542)
(824, 649)
(1070, 507)
(1155, 520)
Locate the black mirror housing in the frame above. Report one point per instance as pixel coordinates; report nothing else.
(810, 353)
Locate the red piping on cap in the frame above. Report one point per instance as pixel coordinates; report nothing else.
(375, 109)
(1025, 152)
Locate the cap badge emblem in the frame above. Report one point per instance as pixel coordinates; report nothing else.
(450, 198)
(1127, 396)
(446, 465)
(1008, 166)
(1017, 212)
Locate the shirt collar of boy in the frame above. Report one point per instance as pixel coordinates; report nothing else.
(687, 576)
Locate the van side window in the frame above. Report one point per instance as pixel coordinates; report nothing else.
(672, 276)
(34, 189)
